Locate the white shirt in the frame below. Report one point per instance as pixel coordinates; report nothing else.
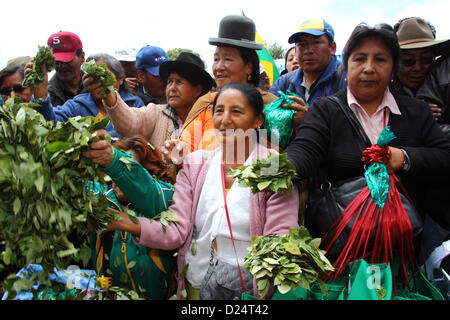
(211, 223)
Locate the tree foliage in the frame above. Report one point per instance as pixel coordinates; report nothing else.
(276, 51)
(174, 53)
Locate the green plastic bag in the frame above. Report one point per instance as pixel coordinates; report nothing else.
(368, 281)
(246, 296)
(374, 281)
(278, 121)
(336, 291)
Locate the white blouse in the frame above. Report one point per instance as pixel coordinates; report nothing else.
(211, 223)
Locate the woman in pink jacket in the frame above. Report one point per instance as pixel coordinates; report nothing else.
(207, 258)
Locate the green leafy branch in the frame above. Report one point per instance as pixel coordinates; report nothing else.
(272, 173)
(166, 217)
(100, 73)
(43, 57)
(45, 201)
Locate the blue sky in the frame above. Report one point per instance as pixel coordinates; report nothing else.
(108, 25)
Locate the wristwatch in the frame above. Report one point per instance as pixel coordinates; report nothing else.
(406, 164)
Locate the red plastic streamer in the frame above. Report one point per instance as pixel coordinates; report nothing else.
(390, 228)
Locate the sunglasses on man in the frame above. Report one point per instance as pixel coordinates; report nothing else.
(409, 62)
(6, 91)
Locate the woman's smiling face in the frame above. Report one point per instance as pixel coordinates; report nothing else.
(228, 66)
(234, 118)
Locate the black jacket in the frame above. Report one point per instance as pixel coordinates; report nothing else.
(436, 89)
(327, 141)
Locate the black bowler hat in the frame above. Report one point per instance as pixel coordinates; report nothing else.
(191, 65)
(238, 31)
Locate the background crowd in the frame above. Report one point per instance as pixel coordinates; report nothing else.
(184, 129)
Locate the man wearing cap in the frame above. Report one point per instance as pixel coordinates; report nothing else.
(318, 75)
(151, 88)
(69, 55)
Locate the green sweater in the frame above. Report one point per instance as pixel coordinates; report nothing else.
(150, 270)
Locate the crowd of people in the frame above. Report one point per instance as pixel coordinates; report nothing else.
(185, 130)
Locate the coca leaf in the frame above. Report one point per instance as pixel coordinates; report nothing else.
(44, 57)
(43, 198)
(286, 261)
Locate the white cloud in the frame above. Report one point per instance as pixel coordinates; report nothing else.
(435, 12)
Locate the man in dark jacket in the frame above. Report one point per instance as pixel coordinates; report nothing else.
(69, 55)
(318, 74)
(436, 90)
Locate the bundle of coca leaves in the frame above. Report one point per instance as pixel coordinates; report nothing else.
(287, 262)
(44, 200)
(43, 57)
(272, 173)
(100, 73)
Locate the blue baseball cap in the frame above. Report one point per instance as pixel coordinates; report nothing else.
(149, 59)
(315, 27)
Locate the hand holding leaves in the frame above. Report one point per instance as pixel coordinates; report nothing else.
(100, 151)
(44, 57)
(100, 73)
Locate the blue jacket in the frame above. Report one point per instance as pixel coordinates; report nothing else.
(83, 105)
(328, 84)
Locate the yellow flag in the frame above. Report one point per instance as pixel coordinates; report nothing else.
(266, 60)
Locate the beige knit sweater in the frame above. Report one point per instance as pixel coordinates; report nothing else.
(149, 121)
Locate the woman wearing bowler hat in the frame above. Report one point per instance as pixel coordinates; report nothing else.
(235, 60)
(186, 81)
